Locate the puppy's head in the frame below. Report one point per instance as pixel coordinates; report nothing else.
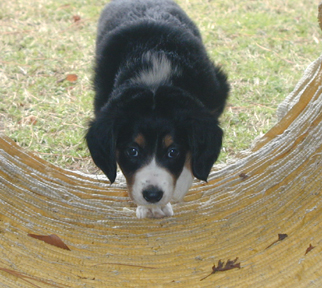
(152, 136)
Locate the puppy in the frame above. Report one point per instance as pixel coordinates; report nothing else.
(158, 97)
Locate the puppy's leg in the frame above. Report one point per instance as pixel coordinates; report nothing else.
(154, 212)
(143, 212)
(166, 211)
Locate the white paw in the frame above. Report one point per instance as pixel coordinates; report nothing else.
(154, 212)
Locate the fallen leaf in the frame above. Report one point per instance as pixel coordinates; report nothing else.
(76, 18)
(230, 264)
(281, 237)
(71, 77)
(25, 277)
(85, 278)
(309, 249)
(243, 176)
(29, 120)
(52, 239)
(19, 276)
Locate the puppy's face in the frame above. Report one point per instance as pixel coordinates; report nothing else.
(149, 134)
(151, 161)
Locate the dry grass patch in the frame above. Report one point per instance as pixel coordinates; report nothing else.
(264, 46)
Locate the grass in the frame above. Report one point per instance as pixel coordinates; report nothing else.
(264, 46)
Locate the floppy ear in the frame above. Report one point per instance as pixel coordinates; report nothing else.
(101, 141)
(205, 140)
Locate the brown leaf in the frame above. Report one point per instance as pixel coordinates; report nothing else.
(25, 277)
(19, 276)
(71, 77)
(243, 176)
(281, 237)
(230, 264)
(309, 249)
(76, 18)
(51, 239)
(29, 120)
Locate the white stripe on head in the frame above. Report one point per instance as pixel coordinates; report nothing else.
(158, 73)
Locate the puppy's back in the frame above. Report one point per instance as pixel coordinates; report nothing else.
(124, 12)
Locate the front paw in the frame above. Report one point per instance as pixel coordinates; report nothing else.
(154, 212)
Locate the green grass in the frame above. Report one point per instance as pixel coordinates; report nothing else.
(264, 46)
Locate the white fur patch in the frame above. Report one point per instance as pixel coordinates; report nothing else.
(159, 73)
(184, 182)
(152, 175)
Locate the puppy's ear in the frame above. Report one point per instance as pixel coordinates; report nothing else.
(101, 142)
(205, 140)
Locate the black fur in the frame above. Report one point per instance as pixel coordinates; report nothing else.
(187, 105)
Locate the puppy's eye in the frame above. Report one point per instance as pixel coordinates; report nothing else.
(132, 152)
(173, 153)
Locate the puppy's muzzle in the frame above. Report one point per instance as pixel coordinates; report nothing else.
(152, 194)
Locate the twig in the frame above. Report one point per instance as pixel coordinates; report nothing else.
(122, 264)
(25, 277)
(269, 50)
(220, 267)
(60, 155)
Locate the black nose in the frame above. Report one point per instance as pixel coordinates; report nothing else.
(152, 194)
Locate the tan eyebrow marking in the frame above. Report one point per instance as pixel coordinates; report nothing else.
(168, 140)
(140, 140)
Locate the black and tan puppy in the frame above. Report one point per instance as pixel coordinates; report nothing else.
(157, 102)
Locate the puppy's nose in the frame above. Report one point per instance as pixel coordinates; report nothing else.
(152, 194)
